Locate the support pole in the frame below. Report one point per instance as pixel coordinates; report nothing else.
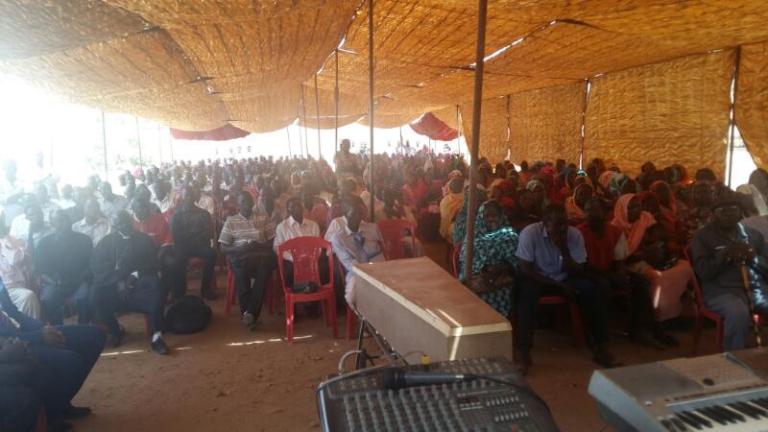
(370, 102)
(104, 144)
(458, 130)
(336, 103)
(317, 117)
(732, 132)
(587, 87)
(159, 144)
(477, 103)
(304, 117)
(138, 141)
(173, 159)
(288, 132)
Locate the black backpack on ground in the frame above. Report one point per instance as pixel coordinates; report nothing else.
(189, 314)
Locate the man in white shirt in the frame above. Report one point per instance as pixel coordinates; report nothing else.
(94, 224)
(295, 225)
(110, 202)
(13, 275)
(357, 242)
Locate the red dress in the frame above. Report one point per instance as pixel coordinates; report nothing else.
(600, 248)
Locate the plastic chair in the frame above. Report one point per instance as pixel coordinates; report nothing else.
(230, 295)
(392, 233)
(702, 312)
(455, 256)
(306, 253)
(577, 324)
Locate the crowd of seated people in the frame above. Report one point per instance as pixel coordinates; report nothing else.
(595, 237)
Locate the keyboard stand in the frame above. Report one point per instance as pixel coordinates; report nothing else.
(363, 359)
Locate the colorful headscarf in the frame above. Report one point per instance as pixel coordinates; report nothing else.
(634, 231)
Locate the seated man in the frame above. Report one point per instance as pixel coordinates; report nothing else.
(31, 226)
(192, 230)
(110, 202)
(248, 244)
(125, 279)
(295, 225)
(720, 249)
(356, 242)
(64, 357)
(606, 247)
(153, 224)
(61, 261)
(13, 274)
(552, 256)
(93, 224)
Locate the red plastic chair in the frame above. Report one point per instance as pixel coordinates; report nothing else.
(306, 252)
(455, 256)
(702, 312)
(392, 233)
(230, 296)
(577, 325)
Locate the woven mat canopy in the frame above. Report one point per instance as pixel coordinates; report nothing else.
(201, 64)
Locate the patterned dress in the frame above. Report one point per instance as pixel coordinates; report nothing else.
(493, 248)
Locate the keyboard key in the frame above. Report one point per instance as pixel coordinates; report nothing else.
(689, 421)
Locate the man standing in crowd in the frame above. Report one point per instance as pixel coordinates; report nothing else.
(125, 279)
(13, 274)
(93, 224)
(61, 260)
(552, 255)
(720, 249)
(192, 231)
(63, 359)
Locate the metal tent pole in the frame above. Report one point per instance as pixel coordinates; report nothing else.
(138, 141)
(104, 143)
(304, 116)
(477, 102)
(458, 131)
(159, 144)
(370, 100)
(336, 102)
(288, 132)
(732, 132)
(317, 117)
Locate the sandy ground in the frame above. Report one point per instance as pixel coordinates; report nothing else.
(231, 379)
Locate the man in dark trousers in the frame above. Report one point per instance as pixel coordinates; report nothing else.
(63, 358)
(125, 267)
(192, 232)
(61, 260)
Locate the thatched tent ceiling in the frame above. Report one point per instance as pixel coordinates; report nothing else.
(200, 64)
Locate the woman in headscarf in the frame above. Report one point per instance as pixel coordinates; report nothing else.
(494, 263)
(648, 255)
(757, 189)
(505, 194)
(574, 205)
(460, 222)
(671, 212)
(539, 193)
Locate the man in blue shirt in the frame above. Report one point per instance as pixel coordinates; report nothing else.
(65, 356)
(552, 255)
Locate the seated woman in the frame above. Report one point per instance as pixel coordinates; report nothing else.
(394, 209)
(494, 263)
(574, 205)
(672, 213)
(526, 211)
(648, 254)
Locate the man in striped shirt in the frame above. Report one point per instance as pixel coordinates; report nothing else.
(247, 241)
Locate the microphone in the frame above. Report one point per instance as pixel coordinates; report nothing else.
(396, 378)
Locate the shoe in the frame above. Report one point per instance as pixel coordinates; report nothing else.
(248, 319)
(73, 412)
(665, 338)
(605, 359)
(59, 426)
(209, 295)
(523, 361)
(160, 347)
(646, 340)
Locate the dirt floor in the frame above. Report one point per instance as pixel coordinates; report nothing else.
(231, 379)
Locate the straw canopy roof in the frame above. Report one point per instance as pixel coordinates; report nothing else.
(258, 64)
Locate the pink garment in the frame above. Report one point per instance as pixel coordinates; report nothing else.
(667, 286)
(635, 231)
